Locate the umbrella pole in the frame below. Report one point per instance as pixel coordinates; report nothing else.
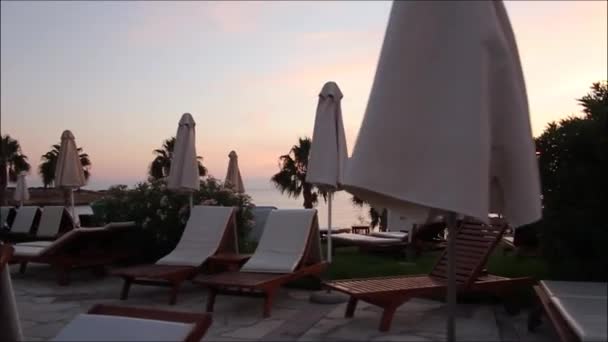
(191, 195)
(73, 208)
(329, 227)
(451, 223)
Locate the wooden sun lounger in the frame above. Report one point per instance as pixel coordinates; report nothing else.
(111, 322)
(192, 326)
(267, 284)
(174, 275)
(24, 222)
(83, 247)
(474, 244)
(576, 310)
(6, 217)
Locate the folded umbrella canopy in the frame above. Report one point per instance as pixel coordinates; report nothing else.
(447, 123)
(184, 174)
(22, 193)
(233, 175)
(328, 152)
(68, 171)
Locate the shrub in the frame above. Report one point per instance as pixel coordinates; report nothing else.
(573, 161)
(162, 213)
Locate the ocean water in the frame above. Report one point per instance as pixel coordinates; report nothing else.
(344, 213)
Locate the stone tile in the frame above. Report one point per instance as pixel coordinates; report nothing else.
(255, 331)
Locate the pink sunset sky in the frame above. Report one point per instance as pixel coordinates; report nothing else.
(120, 74)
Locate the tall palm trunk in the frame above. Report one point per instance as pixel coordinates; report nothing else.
(307, 193)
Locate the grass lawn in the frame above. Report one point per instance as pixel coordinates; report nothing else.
(349, 263)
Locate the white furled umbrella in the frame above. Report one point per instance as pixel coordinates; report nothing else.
(184, 174)
(22, 193)
(447, 123)
(328, 152)
(68, 171)
(233, 175)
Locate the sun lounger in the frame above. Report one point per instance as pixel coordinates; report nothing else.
(577, 310)
(104, 322)
(23, 224)
(121, 323)
(53, 221)
(83, 247)
(210, 230)
(474, 244)
(289, 249)
(6, 217)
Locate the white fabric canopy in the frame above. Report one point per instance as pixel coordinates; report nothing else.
(447, 123)
(183, 174)
(233, 175)
(328, 152)
(68, 171)
(22, 193)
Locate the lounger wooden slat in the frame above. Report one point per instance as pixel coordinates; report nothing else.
(471, 255)
(263, 280)
(182, 264)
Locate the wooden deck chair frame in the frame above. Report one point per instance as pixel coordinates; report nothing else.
(173, 276)
(83, 247)
(474, 244)
(261, 284)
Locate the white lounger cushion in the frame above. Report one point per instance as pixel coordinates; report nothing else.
(391, 235)
(350, 237)
(283, 241)
(88, 327)
(4, 211)
(50, 220)
(29, 251)
(583, 306)
(564, 289)
(201, 237)
(35, 243)
(586, 316)
(24, 219)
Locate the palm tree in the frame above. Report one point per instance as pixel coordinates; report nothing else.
(376, 217)
(12, 162)
(291, 178)
(46, 169)
(162, 163)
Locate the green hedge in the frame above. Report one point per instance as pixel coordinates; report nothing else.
(162, 214)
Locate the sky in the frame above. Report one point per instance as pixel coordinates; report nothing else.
(120, 74)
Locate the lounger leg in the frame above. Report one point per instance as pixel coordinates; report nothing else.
(268, 297)
(387, 318)
(211, 299)
(174, 290)
(22, 267)
(350, 308)
(124, 294)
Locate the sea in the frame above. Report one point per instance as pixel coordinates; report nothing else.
(344, 212)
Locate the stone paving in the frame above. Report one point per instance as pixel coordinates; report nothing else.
(45, 307)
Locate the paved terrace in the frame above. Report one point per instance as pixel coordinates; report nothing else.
(45, 308)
